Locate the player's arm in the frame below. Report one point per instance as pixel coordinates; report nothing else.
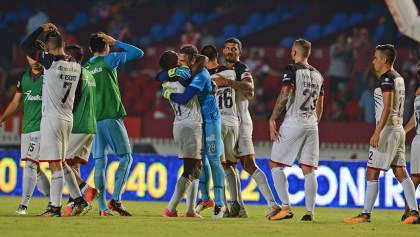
(182, 98)
(410, 125)
(115, 59)
(319, 107)
(12, 108)
(387, 99)
(199, 65)
(278, 108)
(246, 85)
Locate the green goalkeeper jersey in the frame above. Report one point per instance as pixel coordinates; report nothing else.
(108, 102)
(84, 120)
(30, 85)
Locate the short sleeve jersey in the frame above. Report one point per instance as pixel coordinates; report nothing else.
(242, 71)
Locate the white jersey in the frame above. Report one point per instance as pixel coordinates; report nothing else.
(190, 112)
(242, 71)
(61, 76)
(390, 81)
(226, 96)
(307, 84)
(417, 114)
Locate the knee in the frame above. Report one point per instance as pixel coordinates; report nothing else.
(249, 165)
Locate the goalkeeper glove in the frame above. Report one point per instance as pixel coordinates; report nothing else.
(166, 92)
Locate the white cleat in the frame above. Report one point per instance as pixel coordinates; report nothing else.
(22, 210)
(218, 211)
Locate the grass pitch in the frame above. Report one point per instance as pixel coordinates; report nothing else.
(148, 221)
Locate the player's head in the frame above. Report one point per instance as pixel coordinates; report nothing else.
(168, 60)
(97, 45)
(53, 41)
(75, 51)
(187, 55)
(384, 57)
(301, 49)
(39, 45)
(232, 50)
(209, 51)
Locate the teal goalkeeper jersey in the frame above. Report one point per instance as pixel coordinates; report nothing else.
(30, 86)
(84, 119)
(108, 102)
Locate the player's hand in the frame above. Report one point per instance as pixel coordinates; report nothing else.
(49, 27)
(181, 71)
(374, 140)
(220, 81)
(213, 87)
(107, 39)
(274, 134)
(1, 124)
(166, 92)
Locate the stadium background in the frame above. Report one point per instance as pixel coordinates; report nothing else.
(267, 29)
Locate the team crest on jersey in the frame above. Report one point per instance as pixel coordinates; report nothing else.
(246, 74)
(386, 79)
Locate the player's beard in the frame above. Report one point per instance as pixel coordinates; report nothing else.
(230, 59)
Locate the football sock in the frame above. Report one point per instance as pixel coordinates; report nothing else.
(29, 182)
(121, 175)
(231, 183)
(43, 184)
(83, 187)
(57, 184)
(372, 188)
(192, 196)
(262, 183)
(180, 188)
(205, 179)
(311, 186)
(71, 182)
(239, 191)
(218, 176)
(100, 181)
(281, 185)
(410, 194)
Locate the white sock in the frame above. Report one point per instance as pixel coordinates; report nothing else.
(84, 188)
(265, 189)
(372, 189)
(29, 182)
(192, 196)
(231, 183)
(71, 182)
(181, 187)
(410, 194)
(43, 184)
(311, 186)
(239, 191)
(281, 185)
(57, 184)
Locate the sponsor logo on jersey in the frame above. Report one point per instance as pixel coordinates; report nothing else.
(30, 97)
(211, 138)
(91, 83)
(68, 69)
(34, 139)
(96, 70)
(246, 74)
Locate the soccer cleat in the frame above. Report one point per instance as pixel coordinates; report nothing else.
(22, 210)
(309, 216)
(273, 210)
(283, 214)
(404, 216)
(167, 213)
(68, 210)
(105, 213)
(364, 217)
(79, 205)
(235, 208)
(49, 206)
(118, 207)
(226, 214)
(218, 211)
(91, 194)
(203, 205)
(411, 218)
(243, 214)
(194, 215)
(52, 212)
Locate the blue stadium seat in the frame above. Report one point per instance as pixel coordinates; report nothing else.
(245, 30)
(374, 10)
(378, 33)
(287, 41)
(212, 16)
(157, 32)
(256, 19)
(79, 20)
(356, 18)
(230, 30)
(339, 20)
(271, 18)
(328, 29)
(170, 29)
(312, 32)
(178, 19)
(198, 18)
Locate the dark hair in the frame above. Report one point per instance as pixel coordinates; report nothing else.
(190, 50)
(53, 39)
(75, 51)
(389, 51)
(39, 45)
(235, 41)
(96, 43)
(210, 51)
(168, 60)
(304, 45)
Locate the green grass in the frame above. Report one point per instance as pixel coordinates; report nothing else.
(147, 221)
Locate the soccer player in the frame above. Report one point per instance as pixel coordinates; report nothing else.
(225, 97)
(245, 148)
(302, 94)
(201, 86)
(60, 89)
(387, 144)
(29, 93)
(83, 132)
(110, 112)
(187, 132)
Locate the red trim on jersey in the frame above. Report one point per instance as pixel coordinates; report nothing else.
(278, 163)
(29, 159)
(18, 91)
(310, 166)
(50, 161)
(287, 85)
(377, 168)
(37, 55)
(387, 91)
(81, 161)
(416, 175)
(194, 159)
(218, 66)
(241, 157)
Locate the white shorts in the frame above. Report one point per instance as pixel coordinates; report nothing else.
(299, 143)
(55, 133)
(415, 156)
(189, 140)
(390, 150)
(80, 146)
(245, 146)
(29, 146)
(230, 141)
